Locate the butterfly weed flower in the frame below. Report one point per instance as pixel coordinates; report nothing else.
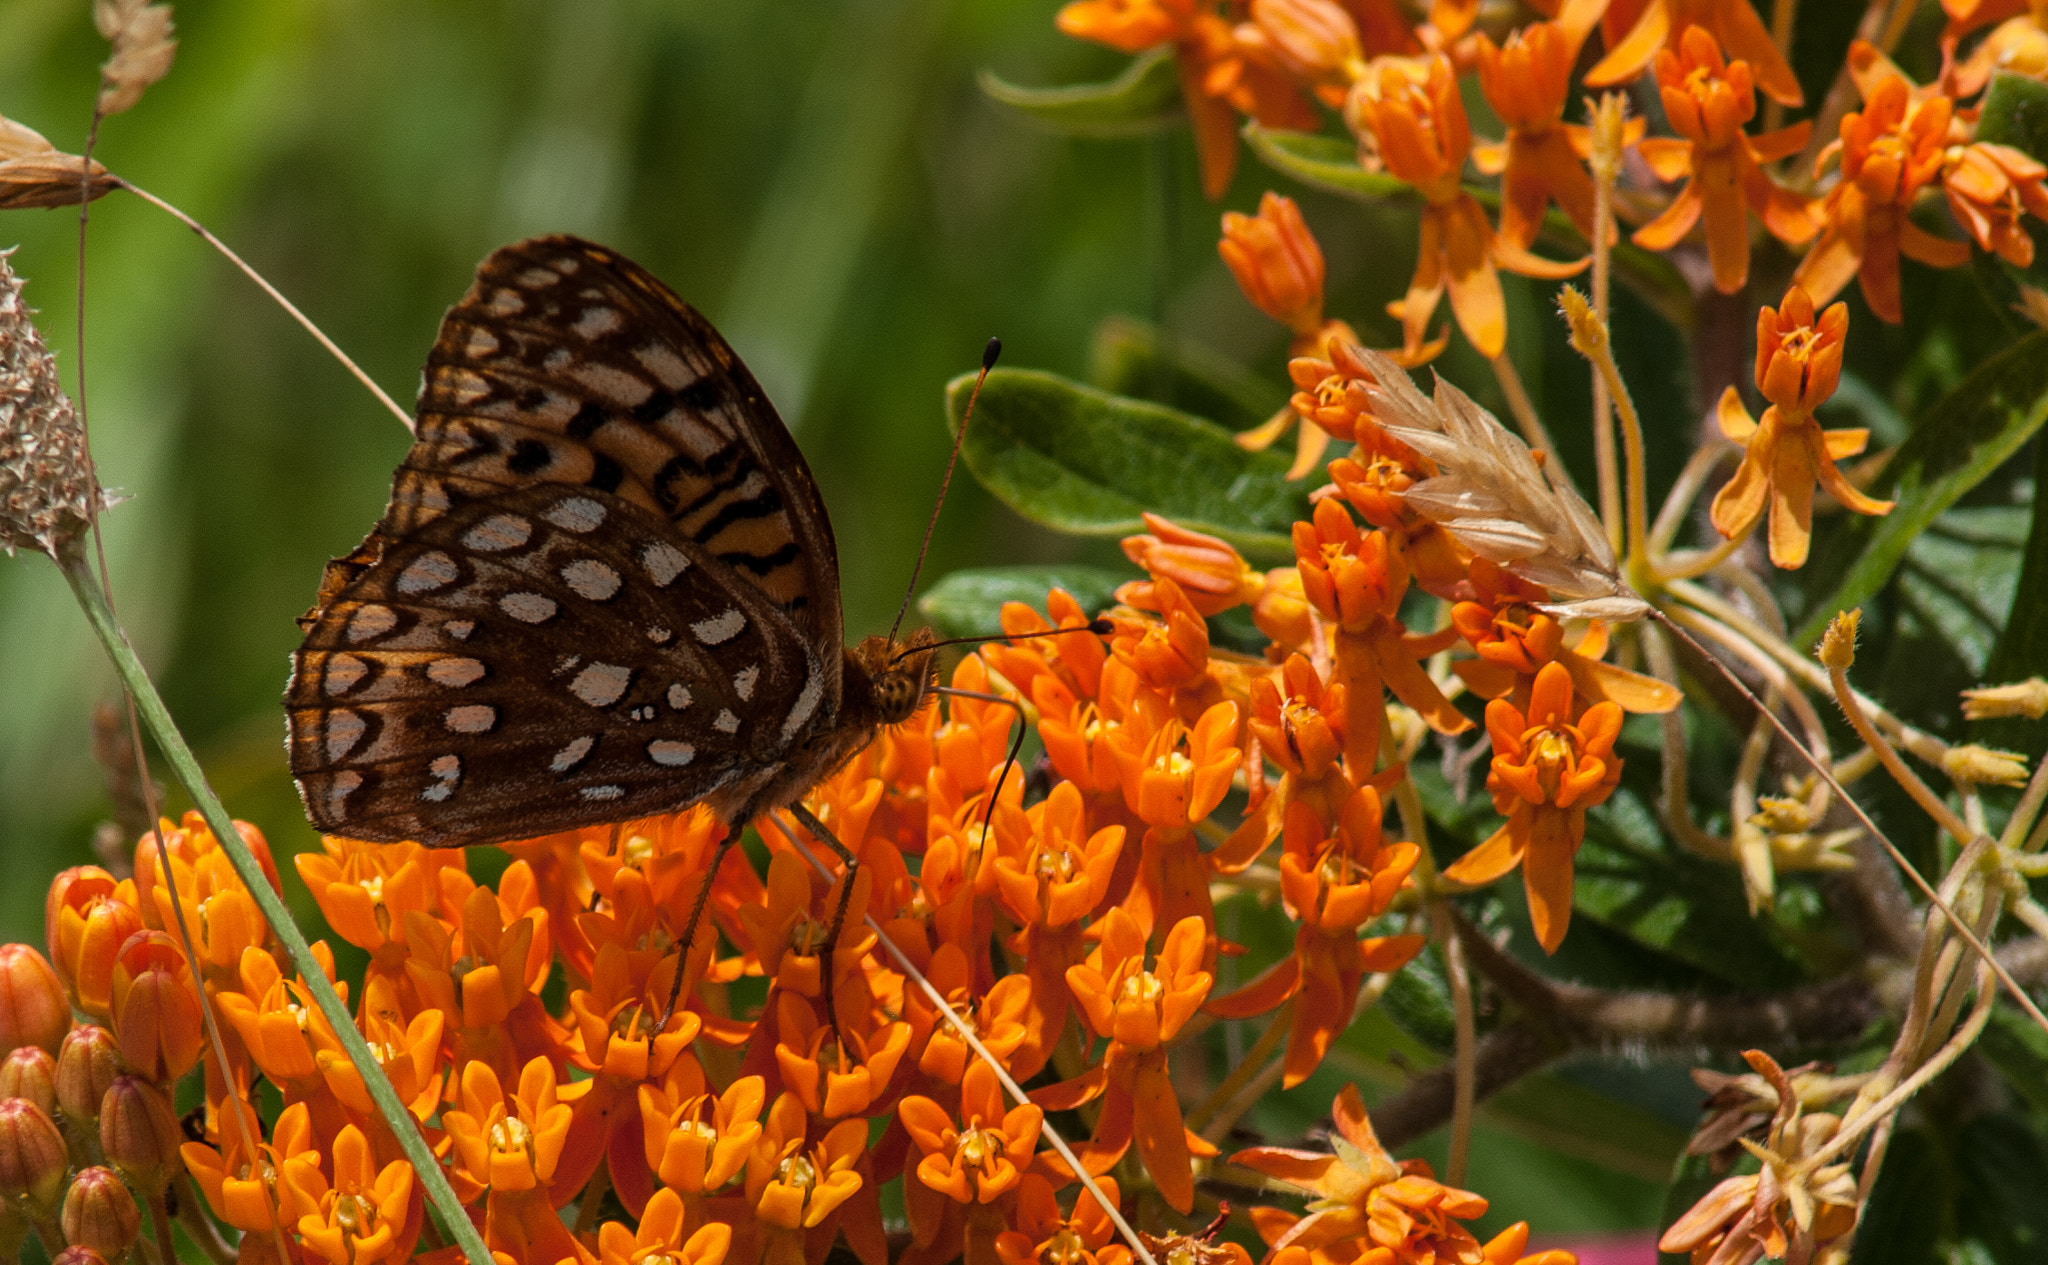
(1041, 1235)
(797, 1190)
(1708, 101)
(1140, 1010)
(698, 1142)
(1888, 152)
(1209, 572)
(1550, 764)
(87, 916)
(1990, 188)
(367, 1213)
(1527, 81)
(1513, 638)
(1424, 138)
(1662, 24)
(665, 1234)
(1798, 365)
(1333, 881)
(969, 1165)
(1219, 76)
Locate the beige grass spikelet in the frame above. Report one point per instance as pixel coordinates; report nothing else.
(143, 48)
(35, 174)
(1491, 494)
(46, 487)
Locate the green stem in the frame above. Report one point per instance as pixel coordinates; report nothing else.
(185, 766)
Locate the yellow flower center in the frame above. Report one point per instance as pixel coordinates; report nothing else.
(373, 887)
(637, 851)
(977, 1147)
(511, 1135)
(1175, 763)
(1055, 863)
(1142, 987)
(355, 1215)
(1065, 1248)
(799, 1172)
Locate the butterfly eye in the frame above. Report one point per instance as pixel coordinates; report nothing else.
(897, 695)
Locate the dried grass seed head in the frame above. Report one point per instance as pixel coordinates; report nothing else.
(36, 174)
(46, 484)
(143, 48)
(1491, 494)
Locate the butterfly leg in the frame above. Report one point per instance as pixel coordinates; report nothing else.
(689, 937)
(823, 834)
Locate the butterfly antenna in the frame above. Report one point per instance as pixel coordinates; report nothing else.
(1016, 743)
(1100, 627)
(988, 362)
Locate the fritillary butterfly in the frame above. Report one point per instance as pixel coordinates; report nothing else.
(605, 586)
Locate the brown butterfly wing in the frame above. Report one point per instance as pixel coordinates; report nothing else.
(600, 510)
(568, 363)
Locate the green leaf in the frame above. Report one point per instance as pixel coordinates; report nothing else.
(1570, 1119)
(1135, 358)
(1331, 164)
(2015, 113)
(1324, 162)
(1144, 98)
(1908, 1206)
(1966, 435)
(968, 603)
(1084, 461)
(1630, 881)
(2014, 1045)
(2002, 1189)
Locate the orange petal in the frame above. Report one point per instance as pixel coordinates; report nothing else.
(1744, 36)
(1627, 58)
(1547, 875)
(1499, 854)
(1736, 423)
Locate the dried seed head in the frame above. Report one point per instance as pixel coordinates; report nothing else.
(46, 485)
(143, 48)
(1492, 495)
(33, 173)
(1838, 644)
(2027, 698)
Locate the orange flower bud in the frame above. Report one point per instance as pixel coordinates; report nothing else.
(30, 1073)
(1283, 611)
(139, 1133)
(87, 917)
(87, 1064)
(100, 1214)
(1799, 363)
(1274, 256)
(156, 1008)
(1311, 39)
(32, 1156)
(33, 1008)
(1212, 575)
(86, 1256)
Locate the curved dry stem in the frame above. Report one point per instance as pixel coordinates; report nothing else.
(1918, 880)
(1922, 794)
(291, 310)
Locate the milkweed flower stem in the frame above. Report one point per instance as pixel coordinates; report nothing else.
(1590, 339)
(185, 767)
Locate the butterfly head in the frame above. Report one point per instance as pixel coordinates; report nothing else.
(902, 673)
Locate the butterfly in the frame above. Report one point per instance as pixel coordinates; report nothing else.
(605, 586)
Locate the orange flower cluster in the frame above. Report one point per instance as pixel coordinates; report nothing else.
(1071, 927)
(1395, 83)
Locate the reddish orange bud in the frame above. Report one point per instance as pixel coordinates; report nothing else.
(156, 1008)
(33, 1008)
(1799, 362)
(32, 1156)
(1212, 575)
(30, 1073)
(100, 1214)
(1276, 262)
(87, 917)
(139, 1133)
(86, 1256)
(87, 1064)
